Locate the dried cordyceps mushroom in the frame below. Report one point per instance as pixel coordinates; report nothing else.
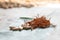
(39, 22)
(6, 5)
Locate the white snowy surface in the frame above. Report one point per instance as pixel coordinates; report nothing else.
(11, 16)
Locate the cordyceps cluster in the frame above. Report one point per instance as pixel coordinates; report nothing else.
(41, 22)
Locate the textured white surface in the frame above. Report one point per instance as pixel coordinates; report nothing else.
(9, 16)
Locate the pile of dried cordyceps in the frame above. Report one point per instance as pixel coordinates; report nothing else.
(6, 5)
(40, 22)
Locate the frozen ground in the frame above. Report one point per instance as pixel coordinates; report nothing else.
(9, 16)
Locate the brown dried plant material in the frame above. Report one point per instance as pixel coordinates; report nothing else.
(26, 3)
(13, 3)
(39, 22)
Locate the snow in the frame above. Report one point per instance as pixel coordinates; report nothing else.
(10, 17)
